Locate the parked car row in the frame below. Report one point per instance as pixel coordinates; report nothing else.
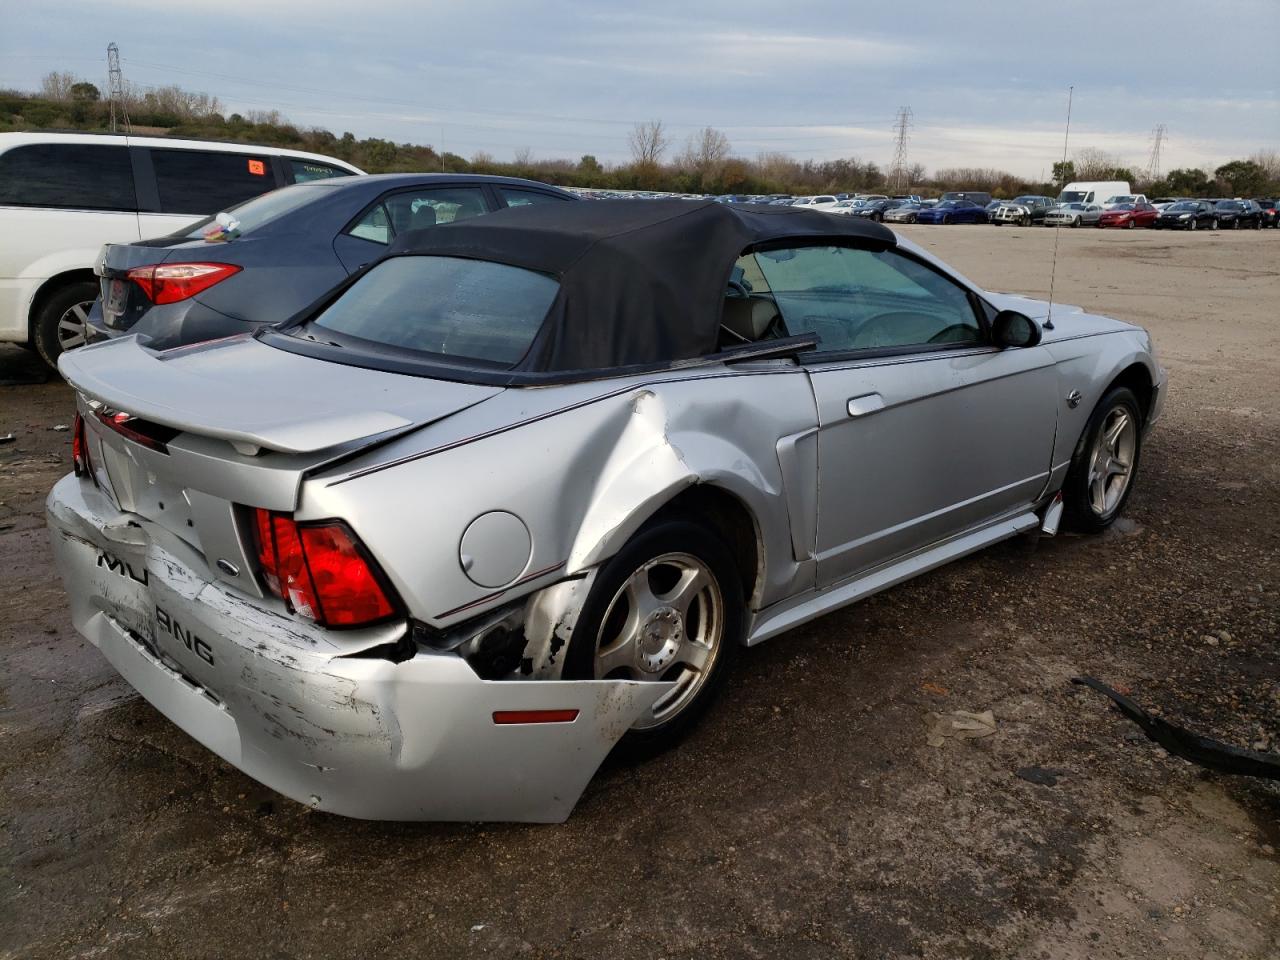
(79, 214)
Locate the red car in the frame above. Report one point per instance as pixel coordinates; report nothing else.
(1130, 215)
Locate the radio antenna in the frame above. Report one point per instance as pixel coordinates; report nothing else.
(1053, 271)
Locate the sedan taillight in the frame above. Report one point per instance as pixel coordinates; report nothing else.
(321, 571)
(79, 447)
(172, 282)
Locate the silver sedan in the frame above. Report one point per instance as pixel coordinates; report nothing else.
(525, 486)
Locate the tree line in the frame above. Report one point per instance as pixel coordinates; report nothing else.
(704, 162)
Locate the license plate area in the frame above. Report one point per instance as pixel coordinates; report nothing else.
(114, 295)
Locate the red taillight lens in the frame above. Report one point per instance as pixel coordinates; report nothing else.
(79, 448)
(320, 571)
(345, 584)
(171, 282)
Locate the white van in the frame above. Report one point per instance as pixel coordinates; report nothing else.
(1092, 191)
(63, 195)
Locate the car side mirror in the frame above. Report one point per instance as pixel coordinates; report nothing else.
(1013, 329)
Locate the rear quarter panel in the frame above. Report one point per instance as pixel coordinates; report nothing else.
(582, 480)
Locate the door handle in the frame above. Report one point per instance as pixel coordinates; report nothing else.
(865, 404)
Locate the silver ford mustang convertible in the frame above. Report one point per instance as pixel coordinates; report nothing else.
(522, 488)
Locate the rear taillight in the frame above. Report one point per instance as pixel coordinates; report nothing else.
(79, 447)
(320, 570)
(171, 282)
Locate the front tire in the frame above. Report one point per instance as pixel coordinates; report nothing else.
(1213, 225)
(668, 606)
(62, 323)
(1075, 222)
(1104, 463)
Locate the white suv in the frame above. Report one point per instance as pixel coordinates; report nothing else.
(63, 195)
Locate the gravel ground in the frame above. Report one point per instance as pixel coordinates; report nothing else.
(807, 817)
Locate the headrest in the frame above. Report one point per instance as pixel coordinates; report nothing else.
(423, 217)
(749, 318)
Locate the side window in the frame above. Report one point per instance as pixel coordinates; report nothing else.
(304, 170)
(857, 299)
(418, 210)
(82, 176)
(515, 197)
(374, 225)
(199, 182)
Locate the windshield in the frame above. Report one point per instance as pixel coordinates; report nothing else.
(1184, 205)
(254, 213)
(1125, 199)
(1123, 206)
(1230, 205)
(473, 310)
(949, 204)
(1072, 196)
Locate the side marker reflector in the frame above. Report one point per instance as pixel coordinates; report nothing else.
(535, 716)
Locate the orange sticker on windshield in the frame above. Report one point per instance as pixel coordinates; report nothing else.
(258, 168)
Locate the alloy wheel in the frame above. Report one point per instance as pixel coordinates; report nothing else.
(1111, 462)
(666, 622)
(73, 325)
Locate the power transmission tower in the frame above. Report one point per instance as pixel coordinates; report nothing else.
(115, 88)
(1153, 162)
(898, 168)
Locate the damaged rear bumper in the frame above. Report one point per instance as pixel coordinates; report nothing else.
(299, 709)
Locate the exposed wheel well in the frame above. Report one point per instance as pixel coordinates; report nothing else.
(731, 520)
(50, 287)
(1138, 379)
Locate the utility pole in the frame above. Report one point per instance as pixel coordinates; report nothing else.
(115, 88)
(1153, 162)
(898, 168)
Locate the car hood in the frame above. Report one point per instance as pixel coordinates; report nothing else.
(1068, 320)
(248, 393)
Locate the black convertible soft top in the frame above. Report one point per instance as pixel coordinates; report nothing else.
(642, 282)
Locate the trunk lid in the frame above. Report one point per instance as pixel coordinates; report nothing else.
(246, 393)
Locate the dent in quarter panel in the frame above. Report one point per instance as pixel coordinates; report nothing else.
(583, 481)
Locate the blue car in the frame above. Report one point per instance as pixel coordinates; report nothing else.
(266, 259)
(953, 211)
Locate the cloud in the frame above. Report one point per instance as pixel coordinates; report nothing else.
(821, 78)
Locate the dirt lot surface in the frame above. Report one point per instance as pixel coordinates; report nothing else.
(807, 817)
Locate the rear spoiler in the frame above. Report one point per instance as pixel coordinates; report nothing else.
(126, 375)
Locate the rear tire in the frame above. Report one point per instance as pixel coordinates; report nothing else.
(1104, 464)
(61, 323)
(637, 624)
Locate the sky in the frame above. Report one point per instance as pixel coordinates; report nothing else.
(987, 83)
